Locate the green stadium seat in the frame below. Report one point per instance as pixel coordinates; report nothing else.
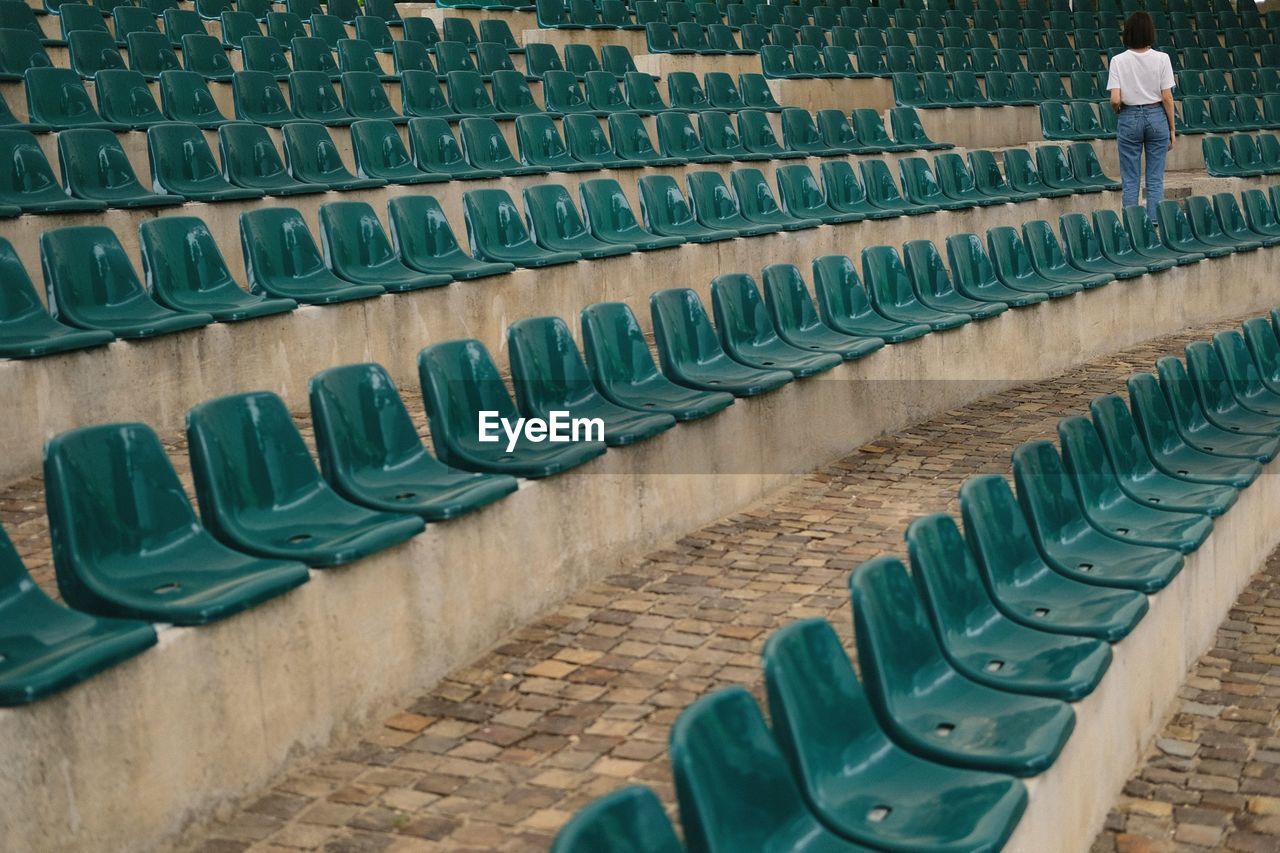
(424, 241)
(908, 132)
(1066, 539)
(835, 133)
(691, 354)
(380, 154)
(603, 94)
(1166, 445)
(1117, 246)
(26, 329)
(452, 56)
(20, 50)
(800, 133)
(678, 140)
(1242, 375)
(180, 23)
(57, 99)
(758, 204)
(406, 56)
(50, 647)
(883, 193)
(250, 159)
(950, 718)
(459, 380)
(686, 92)
(313, 98)
(422, 30)
(184, 269)
(357, 249)
(629, 820)
(16, 15)
(386, 10)
(435, 150)
(182, 165)
(715, 206)
(844, 304)
(854, 776)
(1086, 168)
(556, 225)
(92, 285)
(497, 30)
(296, 516)
(981, 642)
(872, 134)
(803, 197)
(1155, 402)
(1110, 509)
(468, 96)
(721, 744)
(497, 233)
(92, 51)
(234, 26)
(1265, 350)
(586, 141)
(313, 54)
(374, 30)
(1175, 230)
(748, 336)
(422, 98)
(332, 30)
(485, 148)
(973, 275)
(79, 17)
(150, 54)
(580, 59)
(794, 317)
(381, 463)
(1259, 213)
(667, 213)
(366, 98)
(549, 375)
(927, 275)
(102, 565)
(185, 96)
(620, 364)
(202, 54)
(920, 186)
(845, 194)
(758, 138)
(1025, 588)
(720, 138)
(756, 93)
(542, 147)
(312, 158)
(264, 53)
(29, 184)
(359, 55)
(611, 219)
(1055, 170)
(1050, 261)
(990, 181)
(1233, 223)
(1012, 263)
(282, 260)
(96, 168)
(958, 182)
(1083, 249)
(722, 92)
(1127, 451)
(1149, 244)
(1221, 162)
(892, 295)
(284, 27)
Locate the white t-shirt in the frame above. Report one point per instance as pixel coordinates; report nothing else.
(1140, 77)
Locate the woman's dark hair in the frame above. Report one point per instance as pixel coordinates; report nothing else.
(1139, 31)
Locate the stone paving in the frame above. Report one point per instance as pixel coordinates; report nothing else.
(502, 752)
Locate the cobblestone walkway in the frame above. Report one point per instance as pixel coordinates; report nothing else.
(1212, 778)
(578, 703)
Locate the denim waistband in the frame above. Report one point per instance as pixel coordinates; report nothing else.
(1140, 106)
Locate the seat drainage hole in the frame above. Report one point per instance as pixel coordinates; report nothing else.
(1153, 500)
(994, 666)
(166, 588)
(1041, 612)
(767, 363)
(1182, 472)
(944, 729)
(404, 496)
(1085, 567)
(648, 405)
(713, 381)
(1235, 429)
(1122, 530)
(3, 657)
(1208, 447)
(878, 814)
(299, 537)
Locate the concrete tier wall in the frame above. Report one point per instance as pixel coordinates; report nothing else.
(212, 714)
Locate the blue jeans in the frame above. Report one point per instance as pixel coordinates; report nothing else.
(1141, 129)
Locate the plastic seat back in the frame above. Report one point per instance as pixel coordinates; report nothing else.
(264, 53)
(125, 98)
(185, 96)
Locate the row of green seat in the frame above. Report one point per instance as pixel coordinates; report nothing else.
(344, 10)
(919, 752)
(612, 14)
(1241, 155)
(58, 100)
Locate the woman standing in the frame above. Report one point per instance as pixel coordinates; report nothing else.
(1141, 85)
